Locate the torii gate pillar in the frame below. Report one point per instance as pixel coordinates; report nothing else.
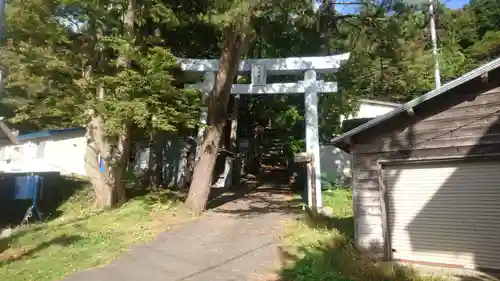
(310, 86)
(312, 135)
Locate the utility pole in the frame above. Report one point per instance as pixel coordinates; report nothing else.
(2, 12)
(437, 76)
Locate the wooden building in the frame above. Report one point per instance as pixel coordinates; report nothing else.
(426, 176)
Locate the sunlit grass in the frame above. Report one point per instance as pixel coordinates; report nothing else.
(322, 249)
(82, 237)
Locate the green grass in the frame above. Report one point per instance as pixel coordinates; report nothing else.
(82, 238)
(322, 249)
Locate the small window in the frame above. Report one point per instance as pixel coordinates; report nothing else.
(40, 149)
(2, 153)
(17, 152)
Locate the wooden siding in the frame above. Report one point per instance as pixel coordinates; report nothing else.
(464, 122)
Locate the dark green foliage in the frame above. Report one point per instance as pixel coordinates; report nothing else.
(390, 57)
(58, 53)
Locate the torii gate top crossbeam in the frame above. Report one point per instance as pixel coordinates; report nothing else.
(310, 86)
(283, 66)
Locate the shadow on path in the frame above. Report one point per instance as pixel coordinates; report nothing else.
(234, 241)
(268, 193)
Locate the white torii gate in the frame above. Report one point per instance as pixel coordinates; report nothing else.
(259, 69)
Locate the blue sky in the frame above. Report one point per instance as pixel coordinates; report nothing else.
(452, 4)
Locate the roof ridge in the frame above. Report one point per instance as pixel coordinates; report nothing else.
(423, 98)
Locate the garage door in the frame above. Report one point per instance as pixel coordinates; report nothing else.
(445, 213)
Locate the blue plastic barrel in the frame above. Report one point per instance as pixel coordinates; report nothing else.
(26, 187)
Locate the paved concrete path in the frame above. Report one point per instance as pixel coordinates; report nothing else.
(236, 241)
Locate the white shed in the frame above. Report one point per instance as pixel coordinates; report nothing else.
(63, 151)
(46, 151)
(336, 163)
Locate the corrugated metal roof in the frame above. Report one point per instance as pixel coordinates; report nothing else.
(379, 102)
(432, 94)
(47, 133)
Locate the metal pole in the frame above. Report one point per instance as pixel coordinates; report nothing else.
(2, 12)
(437, 76)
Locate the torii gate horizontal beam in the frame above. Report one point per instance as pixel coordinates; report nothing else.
(277, 66)
(276, 88)
(310, 86)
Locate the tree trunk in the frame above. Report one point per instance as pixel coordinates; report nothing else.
(158, 159)
(95, 146)
(108, 183)
(216, 119)
(148, 177)
(233, 143)
(117, 150)
(118, 171)
(191, 160)
(154, 175)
